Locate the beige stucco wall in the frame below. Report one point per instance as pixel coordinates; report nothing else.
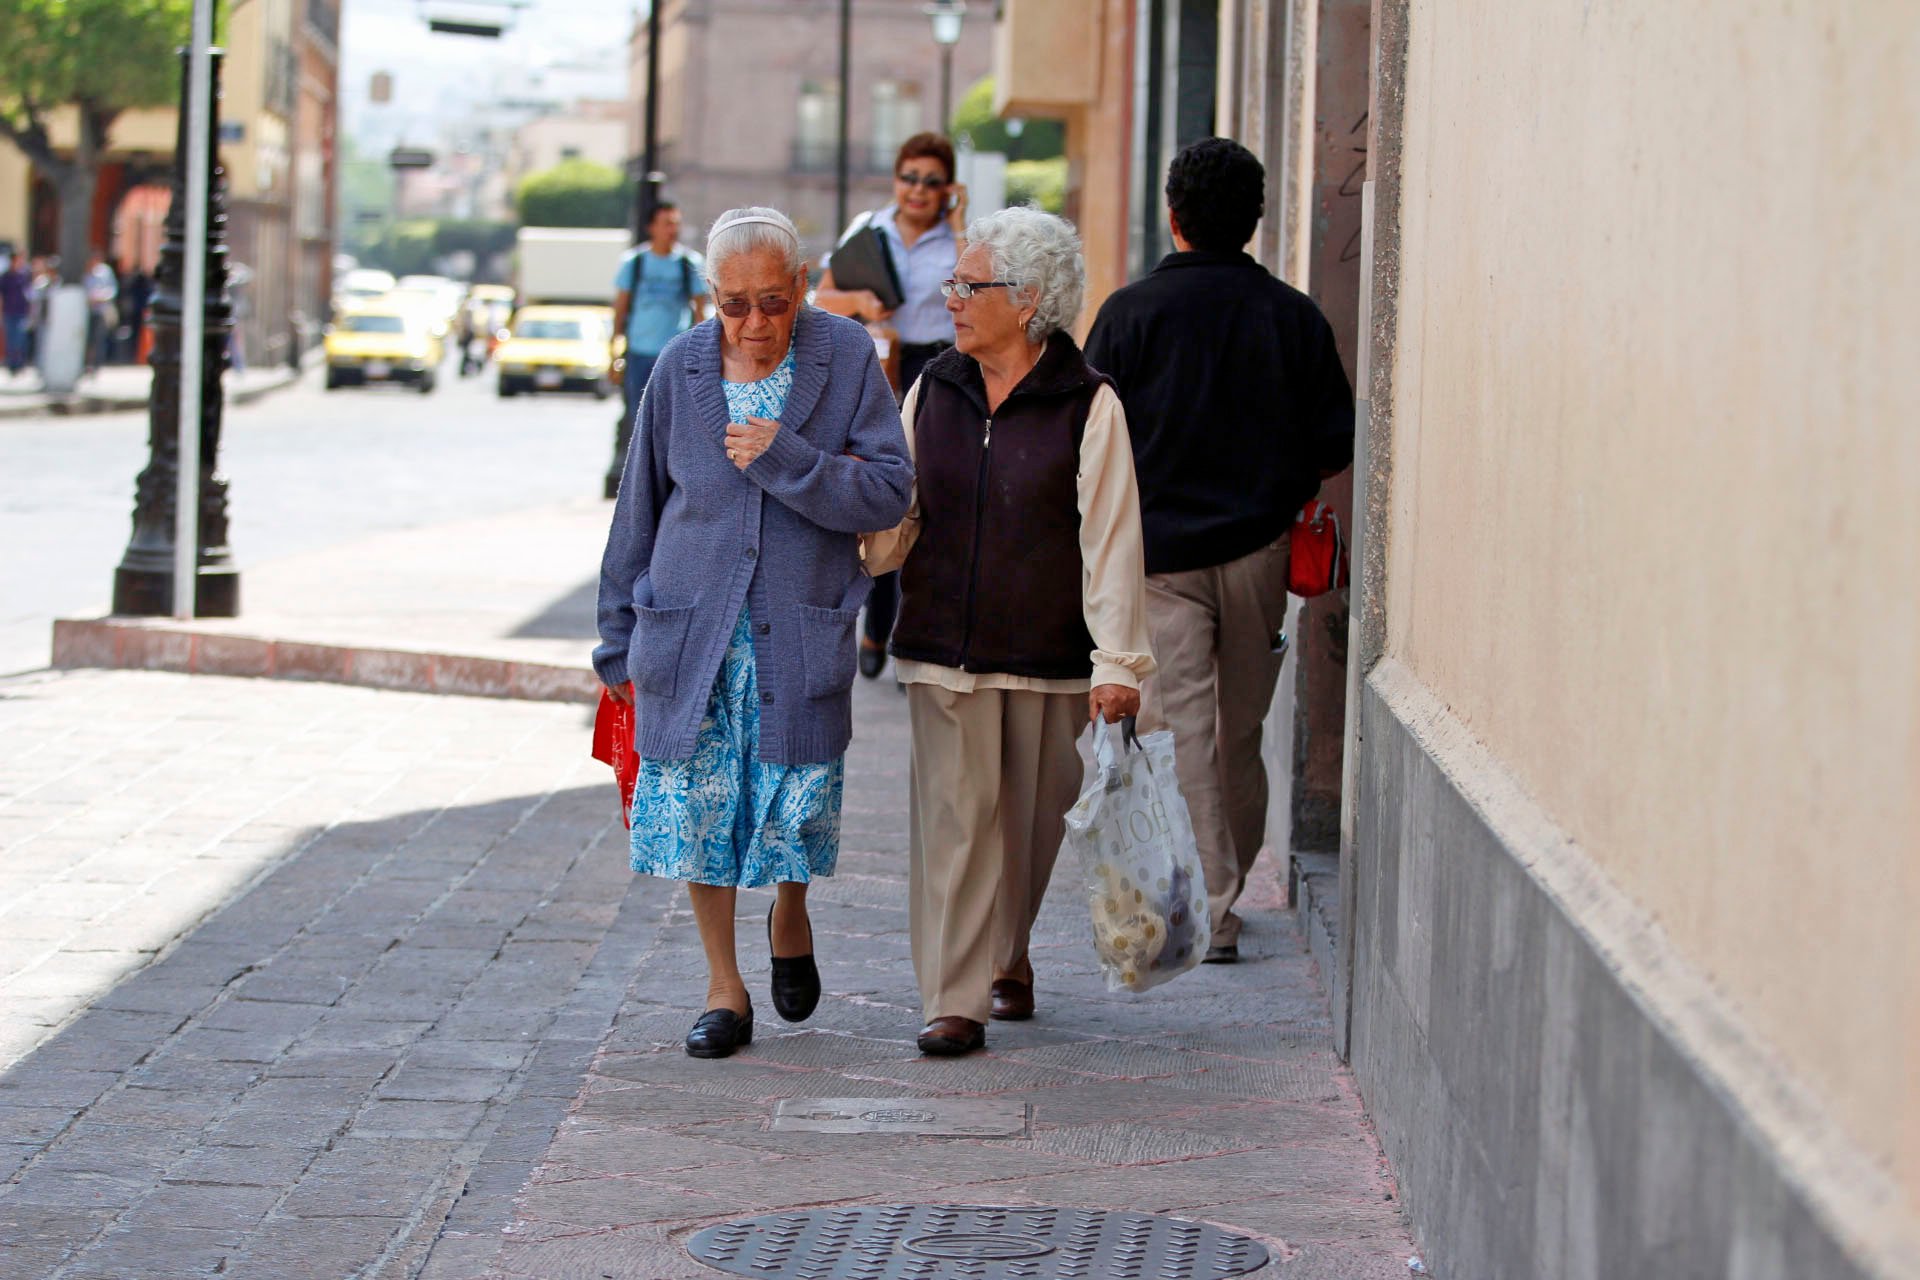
(1655, 513)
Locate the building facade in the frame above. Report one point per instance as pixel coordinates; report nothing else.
(1625, 702)
(749, 104)
(277, 113)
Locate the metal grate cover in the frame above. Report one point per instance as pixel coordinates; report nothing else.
(974, 1242)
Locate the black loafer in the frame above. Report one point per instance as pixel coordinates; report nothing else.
(873, 659)
(796, 980)
(718, 1032)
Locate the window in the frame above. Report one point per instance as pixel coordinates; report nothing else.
(896, 117)
(817, 126)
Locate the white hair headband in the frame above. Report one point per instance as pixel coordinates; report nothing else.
(731, 223)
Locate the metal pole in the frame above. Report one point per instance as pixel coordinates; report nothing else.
(650, 180)
(845, 158)
(186, 515)
(946, 88)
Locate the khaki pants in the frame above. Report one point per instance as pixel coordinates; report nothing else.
(1213, 682)
(994, 773)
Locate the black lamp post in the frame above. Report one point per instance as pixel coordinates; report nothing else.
(143, 584)
(947, 16)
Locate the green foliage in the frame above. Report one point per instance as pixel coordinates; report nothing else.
(1042, 183)
(1040, 139)
(105, 55)
(574, 193)
(415, 246)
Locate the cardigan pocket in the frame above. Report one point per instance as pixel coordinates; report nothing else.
(827, 649)
(659, 639)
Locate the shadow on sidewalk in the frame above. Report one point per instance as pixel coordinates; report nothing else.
(298, 1086)
(572, 616)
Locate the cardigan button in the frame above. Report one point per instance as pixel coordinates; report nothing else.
(753, 553)
(766, 697)
(764, 628)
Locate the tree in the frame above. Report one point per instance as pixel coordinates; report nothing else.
(99, 57)
(1040, 183)
(574, 193)
(1038, 139)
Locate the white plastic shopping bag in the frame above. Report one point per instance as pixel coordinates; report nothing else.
(1134, 841)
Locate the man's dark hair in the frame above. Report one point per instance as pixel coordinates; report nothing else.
(660, 207)
(1216, 191)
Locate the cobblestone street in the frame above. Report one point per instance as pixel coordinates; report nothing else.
(300, 980)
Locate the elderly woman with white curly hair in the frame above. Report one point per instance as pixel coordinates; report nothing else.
(1023, 613)
(767, 438)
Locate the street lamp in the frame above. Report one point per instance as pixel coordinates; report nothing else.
(947, 16)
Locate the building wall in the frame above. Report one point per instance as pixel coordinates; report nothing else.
(1636, 980)
(595, 131)
(723, 146)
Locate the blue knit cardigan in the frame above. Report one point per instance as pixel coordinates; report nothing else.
(694, 537)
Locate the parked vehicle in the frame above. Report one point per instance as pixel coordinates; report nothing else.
(381, 343)
(568, 265)
(557, 349)
(359, 285)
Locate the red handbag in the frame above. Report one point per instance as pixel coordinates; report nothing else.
(1317, 552)
(613, 744)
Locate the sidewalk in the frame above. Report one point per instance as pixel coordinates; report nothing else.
(304, 980)
(116, 388)
(496, 607)
(309, 981)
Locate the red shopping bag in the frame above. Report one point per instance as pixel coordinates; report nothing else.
(1316, 552)
(613, 744)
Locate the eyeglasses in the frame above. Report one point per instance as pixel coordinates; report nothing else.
(964, 289)
(737, 308)
(919, 180)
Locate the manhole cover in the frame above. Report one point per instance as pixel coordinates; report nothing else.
(974, 1242)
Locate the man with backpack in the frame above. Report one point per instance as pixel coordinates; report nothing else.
(660, 290)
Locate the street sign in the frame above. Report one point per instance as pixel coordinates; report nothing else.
(410, 158)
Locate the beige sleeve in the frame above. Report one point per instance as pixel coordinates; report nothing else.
(885, 551)
(1112, 547)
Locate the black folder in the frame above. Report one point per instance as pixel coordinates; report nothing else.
(862, 262)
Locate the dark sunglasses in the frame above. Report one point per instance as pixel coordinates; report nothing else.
(919, 180)
(737, 308)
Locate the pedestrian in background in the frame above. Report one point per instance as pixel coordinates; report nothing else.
(729, 594)
(659, 291)
(16, 310)
(139, 298)
(1239, 407)
(924, 232)
(1023, 612)
(102, 288)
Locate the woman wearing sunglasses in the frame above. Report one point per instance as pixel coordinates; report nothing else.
(729, 593)
(923, 229)
(1023, 611)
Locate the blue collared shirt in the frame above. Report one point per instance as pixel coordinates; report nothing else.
(923, 316)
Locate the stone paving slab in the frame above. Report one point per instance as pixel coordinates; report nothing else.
(291, 1069)
(310, 981)
(1216, 1098)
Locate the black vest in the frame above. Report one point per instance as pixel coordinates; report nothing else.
(993, 583)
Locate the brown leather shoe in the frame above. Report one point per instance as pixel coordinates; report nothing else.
(952, 1036)
(1012, 1000)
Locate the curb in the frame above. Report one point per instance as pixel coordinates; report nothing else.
(139, 644)
(83, 405)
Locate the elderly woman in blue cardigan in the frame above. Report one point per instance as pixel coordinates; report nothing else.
(730, 588)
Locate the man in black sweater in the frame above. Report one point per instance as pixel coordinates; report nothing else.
(1238, 406)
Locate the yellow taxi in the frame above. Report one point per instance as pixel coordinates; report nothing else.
(557, 349)
(380, 343)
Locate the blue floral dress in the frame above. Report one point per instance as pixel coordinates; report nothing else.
(722, 816)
